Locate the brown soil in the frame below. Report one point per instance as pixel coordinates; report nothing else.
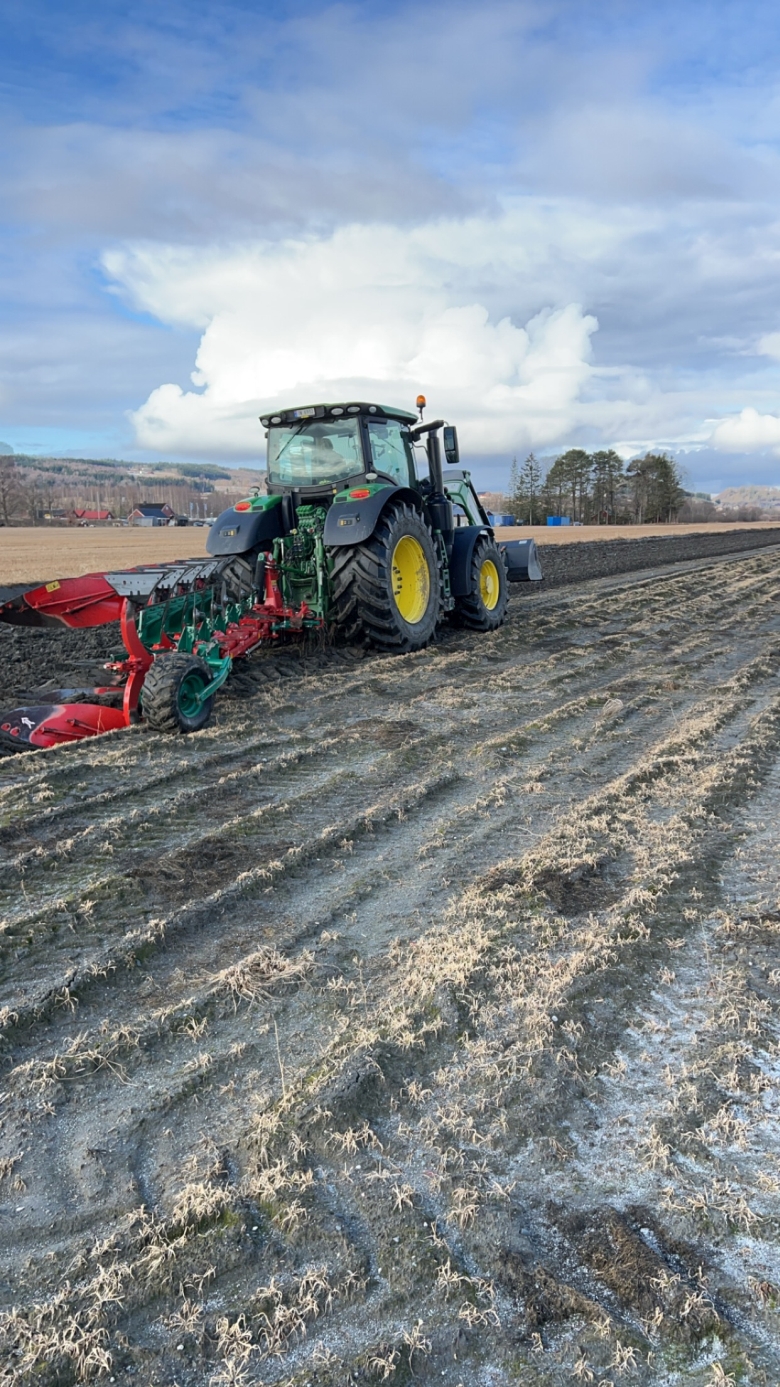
(570, 534)
(416, 1021)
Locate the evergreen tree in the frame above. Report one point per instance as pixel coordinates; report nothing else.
(655, 488)
(568, 480)
(555, 487)
(608, 480)
(526, 491)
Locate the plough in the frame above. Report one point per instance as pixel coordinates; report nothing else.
(208, 610)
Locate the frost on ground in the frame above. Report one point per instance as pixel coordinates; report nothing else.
(417, 1021)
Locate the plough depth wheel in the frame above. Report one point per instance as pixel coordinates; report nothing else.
(172, 695)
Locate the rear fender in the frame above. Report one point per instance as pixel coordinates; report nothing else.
(237, 532)
(353, 522)
(463, 542)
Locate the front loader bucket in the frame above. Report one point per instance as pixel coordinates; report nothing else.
(50, 724)
(522, 560)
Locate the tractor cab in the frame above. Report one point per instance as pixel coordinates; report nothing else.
(320, 449)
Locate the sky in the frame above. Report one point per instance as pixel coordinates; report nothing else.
(560, 221)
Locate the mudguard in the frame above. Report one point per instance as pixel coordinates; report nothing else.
(353, 522)
(522, 560)
(236, 532)
(463, 541)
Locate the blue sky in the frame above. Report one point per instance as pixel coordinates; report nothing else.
(561, 221)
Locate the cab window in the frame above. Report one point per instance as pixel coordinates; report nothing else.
(391, 451)
(314, 454)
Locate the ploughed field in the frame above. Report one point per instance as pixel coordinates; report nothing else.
(417, 1020)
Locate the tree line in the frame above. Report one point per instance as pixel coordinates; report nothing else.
(597, 489)
(29, 496)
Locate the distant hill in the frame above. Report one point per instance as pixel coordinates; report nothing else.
(114, 469)
(767, 497)
(6, 450)
(54, 486)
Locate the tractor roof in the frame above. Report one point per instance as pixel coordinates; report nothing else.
(293, 416)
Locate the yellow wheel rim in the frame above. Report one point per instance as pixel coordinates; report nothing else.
(489, 585)
(411, 579)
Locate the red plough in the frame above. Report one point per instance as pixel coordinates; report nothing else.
(187, 622)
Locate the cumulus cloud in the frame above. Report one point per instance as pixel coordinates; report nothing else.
(365, 312)
(370, 311)
(747, 432)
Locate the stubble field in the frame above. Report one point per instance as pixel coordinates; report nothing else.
(417, 1020)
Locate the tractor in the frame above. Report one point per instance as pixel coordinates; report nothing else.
(355, 535)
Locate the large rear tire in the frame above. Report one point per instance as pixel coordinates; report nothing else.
(484, 606)
(388, 590)
(171, 693)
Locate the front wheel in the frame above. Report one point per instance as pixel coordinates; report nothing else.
(172, 695)
(484, 606)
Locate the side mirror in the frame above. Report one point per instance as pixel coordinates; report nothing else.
(451, 445)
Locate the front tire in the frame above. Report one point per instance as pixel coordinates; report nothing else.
(388, 590)
(171, 694)
(484, 606)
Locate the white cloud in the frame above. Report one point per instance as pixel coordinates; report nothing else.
(769, 345)
(747, 432)
(371, 311)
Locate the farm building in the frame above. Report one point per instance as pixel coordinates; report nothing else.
(149, 513)
(91, 517)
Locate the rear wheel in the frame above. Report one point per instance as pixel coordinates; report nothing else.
(389, 589)
(484, 606)
(172, 694)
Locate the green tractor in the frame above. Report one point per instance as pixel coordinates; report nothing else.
(363, 531)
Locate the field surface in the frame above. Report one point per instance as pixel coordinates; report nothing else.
(37, 554)
(415, 1022)
(576, 534)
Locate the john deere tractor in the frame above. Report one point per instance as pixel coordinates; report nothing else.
(363, 526)
(360, 531)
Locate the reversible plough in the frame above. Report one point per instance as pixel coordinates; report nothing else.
(208, 610)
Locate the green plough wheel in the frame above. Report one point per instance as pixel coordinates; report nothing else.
(172, 696)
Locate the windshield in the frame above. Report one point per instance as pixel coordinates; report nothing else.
(314, 453)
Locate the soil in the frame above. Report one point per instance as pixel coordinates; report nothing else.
(415, 1021)
(576, 534)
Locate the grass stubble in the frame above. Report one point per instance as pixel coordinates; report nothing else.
(418, 1021)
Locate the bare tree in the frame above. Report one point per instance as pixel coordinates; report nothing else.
(10, 490)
